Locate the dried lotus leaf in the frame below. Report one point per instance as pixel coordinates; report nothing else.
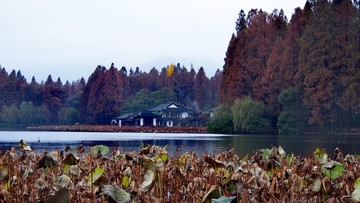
(215, 192)
(46, 162)
(70, 159)
(316, 183)
(4, 173)
(213, 163)
(61, 196)
(116, 194)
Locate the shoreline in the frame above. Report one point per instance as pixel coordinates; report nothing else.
(110, 128)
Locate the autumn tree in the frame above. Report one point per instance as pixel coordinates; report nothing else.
(54, 97)
(84, 100)
(315, 53)
(227, 86)
(135, 80)
(275, 78)
(239, 84)
(262, 32)
(67, 89)
(345, 62)
(164, 80)
(3, 78)
(324, 59)
(215, 84)
(202, 85)
(315, 62)
(151, 80)
(34, 92)
(105, 96)
(191, 77)
(12, 92)
(185, 84)
(176, 83)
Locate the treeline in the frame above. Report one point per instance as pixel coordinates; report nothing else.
(49, 102)
(305, 72)
(107, 94)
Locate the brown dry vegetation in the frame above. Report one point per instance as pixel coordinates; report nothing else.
(150, 175)
(111, 128)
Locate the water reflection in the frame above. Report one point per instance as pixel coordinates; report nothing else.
(180, 143)
(246, 144)
(300, 145)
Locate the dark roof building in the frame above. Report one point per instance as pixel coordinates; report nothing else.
(144, 118)
(168, 114)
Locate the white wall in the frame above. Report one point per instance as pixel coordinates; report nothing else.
(184, 114)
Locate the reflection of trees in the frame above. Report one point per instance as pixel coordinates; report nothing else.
(297, 145)
(248, 144)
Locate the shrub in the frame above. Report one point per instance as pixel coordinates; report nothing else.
(222, 122)
(287, 123)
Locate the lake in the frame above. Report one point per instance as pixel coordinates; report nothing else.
(182, 142)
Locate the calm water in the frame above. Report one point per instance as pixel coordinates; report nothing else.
(200, 143)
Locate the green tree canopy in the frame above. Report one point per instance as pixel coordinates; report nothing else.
(145, 99)
(288, 98)
(10, 115)
(222, 122)
(26, 112)
(25, 115)
(291, 119)
(69, 116)
(249, 116)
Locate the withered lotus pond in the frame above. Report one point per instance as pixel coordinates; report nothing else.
(151, 175)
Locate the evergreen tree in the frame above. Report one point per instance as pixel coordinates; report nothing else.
(291, 119)
(241, 22)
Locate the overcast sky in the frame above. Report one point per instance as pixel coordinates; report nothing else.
(69, 38)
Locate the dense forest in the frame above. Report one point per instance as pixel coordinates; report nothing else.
(106, 94)
(278, 75)
(298, 75)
